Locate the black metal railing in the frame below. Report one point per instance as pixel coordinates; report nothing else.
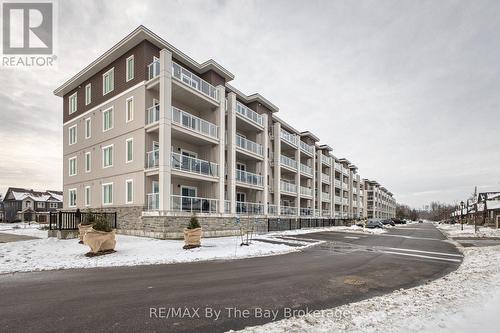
(280, 224)
(70, 220)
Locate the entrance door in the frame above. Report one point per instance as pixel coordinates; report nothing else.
(189, 203)
(189, 161)
(240, 202)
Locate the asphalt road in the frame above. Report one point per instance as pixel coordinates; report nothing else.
(346, 268)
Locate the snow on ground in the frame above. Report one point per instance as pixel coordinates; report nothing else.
(465, 300)
(25, 229)
(353, 228)
(455, 230)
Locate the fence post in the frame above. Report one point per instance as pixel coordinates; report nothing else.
(115, 219)
(59, 220)
(268, 224)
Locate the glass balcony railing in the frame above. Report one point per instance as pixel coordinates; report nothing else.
(289, 137)
(288, 187)
(345, 186)
(325, 178)
(306, 191)
(345, 201)
(291, 163)
(338, 183)
(338, 200)
(249, 114)
(338, 167)
(153, 201)
(326, 160)
(308, 149)
(249, 208)
(249, 178)
(195, 82)
(193, 204)
(153, 114)
(194, 165)
(272, 209)
(194, 123)
(152, 159)
(325, 196)
(307, 212)
(248, 145)
(154, 69)
(287, 210)
(306, 169)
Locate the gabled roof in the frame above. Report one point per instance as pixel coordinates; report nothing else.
(19, 194)
(253, 98)
(135, 37)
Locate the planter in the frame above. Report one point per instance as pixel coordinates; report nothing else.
(83, 228)
(99, 241)
(192, 238)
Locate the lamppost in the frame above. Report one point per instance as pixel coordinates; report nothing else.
(462, 214)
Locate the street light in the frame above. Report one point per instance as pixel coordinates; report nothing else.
(462, 214)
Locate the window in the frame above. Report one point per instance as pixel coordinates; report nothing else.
(129, 109)
(28, 204)
(88, 161)
(129, 191)
(129, 150)
(88, 128)
(107, 119)
(40, 204)
(107, 156)
(73, 105)
(130, 68)
(72, 166)
(72, 197)
(87, 196)
(107, 194)
(88, 94)
(72, 135)
(108, 81)
(53, 205)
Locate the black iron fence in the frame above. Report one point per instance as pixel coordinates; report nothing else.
(280, 224)
(70, 220)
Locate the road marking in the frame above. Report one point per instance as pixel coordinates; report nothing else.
(421, 256)
(351, 237)
(429, 252)
(411, 237)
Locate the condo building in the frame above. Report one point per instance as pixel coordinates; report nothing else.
(380, 202)
(152, 132)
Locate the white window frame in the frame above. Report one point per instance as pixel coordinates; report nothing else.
(126, 150)
(112, 112)
(88, 94)
(88, 166)
(111, 71)
(127, 119)
(190, 153)
(103, 186)
(88, 195)
(69, 166)
(69, 197)
(129, 181)
(70, 104)
(88, 128)
(70, 136)
(127, 69)
(112, 157)
(190, 188)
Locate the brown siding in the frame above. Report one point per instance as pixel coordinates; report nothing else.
(259, 108)
(143, 55)
(213, 78)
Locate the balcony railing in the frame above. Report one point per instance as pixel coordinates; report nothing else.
(325, 213)
(289, 137)
(193, 204)
(153, 201)
(291, 163)
(248, 145)
(307, 212)
(325, 178)
(306, 191)
(195, 82)
(249, 208)
(153, 114)
(272, 209)
(345, 201)
(325, 196)
(152, 159)
(338, 183)
(288, 187)
(249, 114)
(345, 170)
(345, 186)
(355, 190)
(287, 210)
(338, 200)
(308, 149)
(249, 178)
(338, 167)
(306, 169)
(194, 123)
(194, 165)
(153, 69)
(326, 160)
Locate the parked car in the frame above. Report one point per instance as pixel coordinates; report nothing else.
(374, 223)
(388, 222)
(398, 221)
(420, 221)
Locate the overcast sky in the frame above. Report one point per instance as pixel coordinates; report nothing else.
(408, 91)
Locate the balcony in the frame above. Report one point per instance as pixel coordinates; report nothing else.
(154, 69)
(306, 191)
(326, 160)
(325, 213)
(249, 208)
(194, 165)
(288, 187)
(325, 178)
(249, 146)
(325, 196)
(249, 114)
(345, 201)
(287, 210)
(193, 204)
(308, 149)
(306, 169)
(195, 82)
(249, 178)
(153, 201)
(152, 159)
(345, 186)
(287, 161)
(195, 124)
(272, 209)
(338, 200)
(289, 138)
(306, 212)
(355, 190)
(338, 167)
(153, 114)
(345, 170)
(337, 183)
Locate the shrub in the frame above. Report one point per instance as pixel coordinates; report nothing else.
(193, 223)
(88, 218)
(101, 224)
(44, 227)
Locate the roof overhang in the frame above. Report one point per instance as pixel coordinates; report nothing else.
(135, 37)
(325, 147)
(308, 134)
(253, 98)
(285, 125)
